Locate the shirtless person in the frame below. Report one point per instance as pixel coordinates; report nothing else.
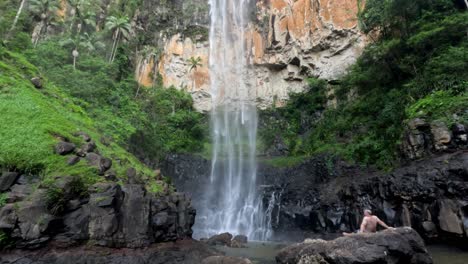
(369, 223)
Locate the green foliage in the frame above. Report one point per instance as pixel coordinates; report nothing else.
(171, 125)
(289, 122)
(416, 68)
(3, 199)
(441, 105)
(36, 118)
(5, 239)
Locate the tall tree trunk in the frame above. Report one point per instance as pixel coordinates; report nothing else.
(116, 45)
(18, 14)
(74, 63)
(113, 46)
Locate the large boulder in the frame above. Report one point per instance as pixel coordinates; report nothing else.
(7, 179)
(223, 239)
(64, 148)
(396, 246)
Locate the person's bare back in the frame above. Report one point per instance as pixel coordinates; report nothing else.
(369, 223)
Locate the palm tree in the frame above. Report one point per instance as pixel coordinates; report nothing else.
(194, 63)
(46, 10)
(18, 14)
(120, 27)
(83, 10)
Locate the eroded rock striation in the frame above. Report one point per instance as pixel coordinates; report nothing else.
(287, 41)
(398, 246)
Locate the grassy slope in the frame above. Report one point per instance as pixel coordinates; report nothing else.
(32, 121)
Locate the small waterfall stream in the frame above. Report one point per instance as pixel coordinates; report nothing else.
(231, 199)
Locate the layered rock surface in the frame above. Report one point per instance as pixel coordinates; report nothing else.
(286, 42)
(397, 246)
(324, 194)
(112, 216)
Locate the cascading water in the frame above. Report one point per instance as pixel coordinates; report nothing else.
(231, 202)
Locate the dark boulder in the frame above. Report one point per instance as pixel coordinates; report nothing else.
(88, 147)
(239, 241)
(104, 165)
(34, 221)
(223, 239)
(134, 212)
(397, 246)
(101, 163)
(7, 179)
(73, 160)
(37, 82)
(83, 135)
(64, 148)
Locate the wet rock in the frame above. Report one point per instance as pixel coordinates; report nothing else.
(8, 217)
(104, 165)
(441, 135)
(7, 179)
(430, 229)
(460, 134)
(448, 217)
(33, 221)
(241, 239)
(73, 160)
(104, 202)
(223, 239)
(135, 211)
(37, 82)
(19, 192)
(225, 260)
(64, 148)
(401, 245)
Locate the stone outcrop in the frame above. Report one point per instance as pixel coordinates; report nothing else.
(398, 246)
(112, 216)
(422, 138)
(287, 42)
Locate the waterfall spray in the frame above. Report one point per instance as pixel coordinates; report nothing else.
(231, 200)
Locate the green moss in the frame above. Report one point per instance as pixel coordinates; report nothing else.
(284, 162)
(441, 105)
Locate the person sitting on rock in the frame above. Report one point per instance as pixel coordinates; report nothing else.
(369, 223)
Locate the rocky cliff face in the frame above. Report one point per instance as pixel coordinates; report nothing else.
(287, 41)
(326, 195)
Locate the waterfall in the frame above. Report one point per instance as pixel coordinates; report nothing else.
(231, 201)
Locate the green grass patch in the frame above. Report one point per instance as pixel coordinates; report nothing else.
(284, 162)
(33, 121)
